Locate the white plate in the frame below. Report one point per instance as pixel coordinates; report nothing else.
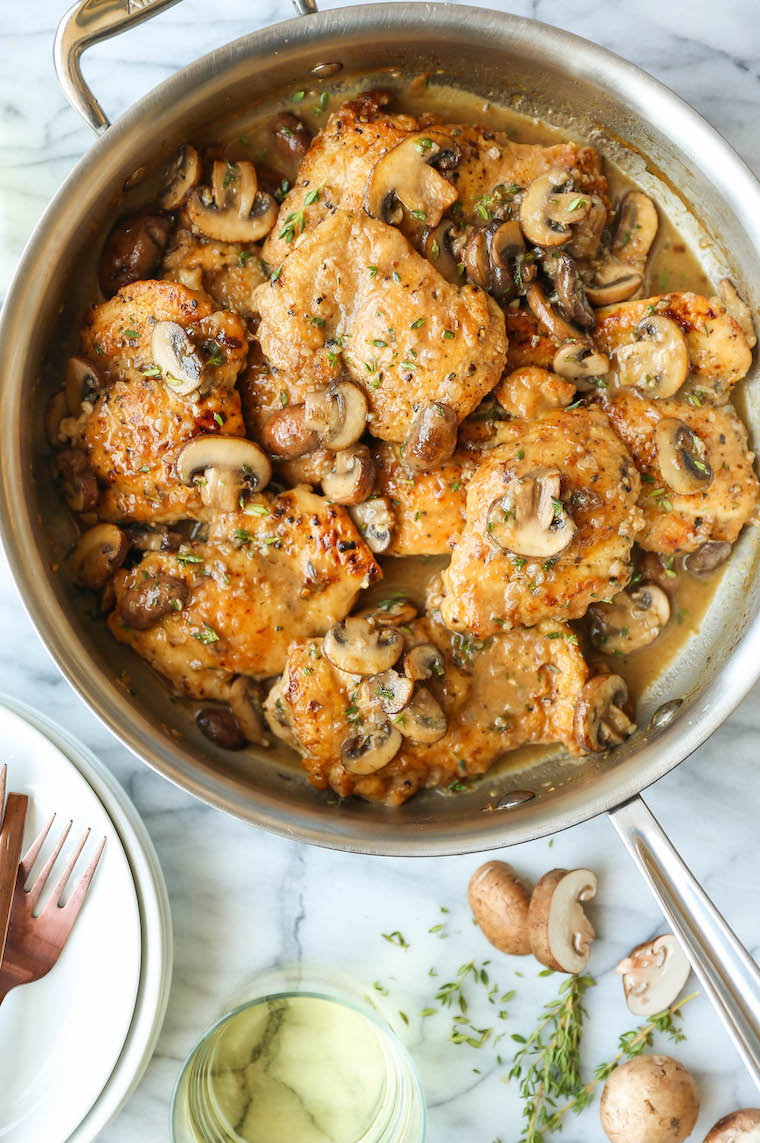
(75, 1044)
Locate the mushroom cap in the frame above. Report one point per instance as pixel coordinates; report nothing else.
(221, 727)
(657, 360)
(654, 974)
(560, 932)
(432, 437)
(437, 246)
(371, 750)
(613, 282)
(232, 209)
(707, 557)
(352, 478)
(359, 648)
(742, 1126)
(500, 901)
(423, 719)
(175, 355)
(393, 612)
(635, 228)
(338, 414)
(649, 1099)
(392, 690)
(550, 207)
(84, 380)
(150, 600)
(601, 713)
(578, 360)
(424, 661)
(631, 620)
(682, 457)
(375, 521)
(99, 552)
(408, 175)
(528, 519)
(183, 174)
(245, 703)
(238, 463)
(286, 433)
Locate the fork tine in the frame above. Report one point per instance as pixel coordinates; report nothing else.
(55, 896)
(44, 873)
(32, 853)
(74, 903)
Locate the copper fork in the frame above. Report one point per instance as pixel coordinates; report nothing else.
(35, 943)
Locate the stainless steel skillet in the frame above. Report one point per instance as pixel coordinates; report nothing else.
(594, 95)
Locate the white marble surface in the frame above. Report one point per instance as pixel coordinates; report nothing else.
(243, 900)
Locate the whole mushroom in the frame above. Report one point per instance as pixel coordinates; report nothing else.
(432, 437)
(649, 1099)
(742, 1126)
(560, 932)
(500, 901)
(98, 554)
(132, 251)
(151, 599)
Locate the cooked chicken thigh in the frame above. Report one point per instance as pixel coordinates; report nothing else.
(428, 507)
(228, 271)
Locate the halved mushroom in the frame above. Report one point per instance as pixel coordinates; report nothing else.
(359, 648)
(375, 522)
(601, 714)
(707, 557)
(613, 282)
(654, 974)
(550, 207)
(500, 901)
(578, 360)
(391, 613)
(150, 600)
(99, 552)
(371, 750)
(245, 703)
(631, 620)
(738, 310)
(175, 355)
(657, 361)
(439, 244)
(529, 519)
(154, 538)
(232, 209)
(682, 457)
(338, 414)
(392, 690)
(84, 381)
(132, 251)
(635, 228)
(742, 1126)
(286, 433)
(183, 175)
(408, 177)
(560, 932)
(80, 485)
(423, 719)
(432, 437)
(559, 329)
(425, 661)
(587, 234)
(225, 469)
(353, 477)
(495, 258)
(570, 293)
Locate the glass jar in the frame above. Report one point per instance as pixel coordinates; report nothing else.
(303, 1056)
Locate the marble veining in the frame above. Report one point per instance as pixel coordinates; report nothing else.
(282, 901)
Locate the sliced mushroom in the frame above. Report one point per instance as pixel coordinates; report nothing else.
(601, 714)
(495, 258)
(84, 382)
(183, 175)
(359, 648)
(286, 433)
(560, 932)
(500, 901)
(438, 246)
(423, 719)
(80, 485)
(132, 251)
(338, 414)
(232, 209)
(635, 228)
(374, 522)
(221, 727)
(225, 469)
(391, 613)
(570, 293)
(372, 750)
(292, 137)
(558, 328)
(741, 1126)
(99, 553)
(579, 361)
(738, 310)
(657, 361)
(432, 437)
(707, 557)
(613, 282)
(408, 176)
(175, 355)
(245, 703)
(550, 207)
(682, 457)
(632, 620)
(152, 538)
(425, 661)
(353, 477)
(587, 234)
(149, 601)
(654, 974)
(529, 519)
(392, 690)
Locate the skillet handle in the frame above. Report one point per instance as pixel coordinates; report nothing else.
(725, 969)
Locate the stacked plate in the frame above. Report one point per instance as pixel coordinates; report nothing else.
(75, 1044)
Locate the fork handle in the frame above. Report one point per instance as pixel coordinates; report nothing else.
(11, 841)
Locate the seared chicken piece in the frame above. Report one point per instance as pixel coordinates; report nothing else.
(676, 522)
(519, 687)
(287, 568)
(529, 342)
(355, 298)
(428, 507)
(228, 271)
(515, 563)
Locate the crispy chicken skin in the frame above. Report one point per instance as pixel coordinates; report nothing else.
(519, 687)
(355, 297)
(428, 507)
(488, 589)
(677, 523)
(228, 271)
(287, 570)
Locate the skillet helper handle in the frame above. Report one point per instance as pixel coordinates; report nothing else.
(87, 23)
(725, 969)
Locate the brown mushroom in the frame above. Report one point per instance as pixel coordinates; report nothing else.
(635, 229)
(408, 177)
(99, 552)
(352, 478)
(587, 234)
(657, 360)
(560, 932)
(439, 244)
(221, 727)
(80, 485)
(286, 433)
(570, 292)
(550, 207)
(374, 522)
(232, 209)
(393, 612)
(292, 137)
(432, 437)
(423, 719)
(547, 315)
(132, 251)
(225, 468)
(631, 620)
(357, 647)
(245, 703)
(500, 900)
(372, 749)
(424, 661)
(338, 414)
(154, 538)
(392, 690)
(707, 557)
(150, 600)
(654, 974)
(529, 519)
(742, 1126)
(649, 1099)
(682, 457)
(738, 309)
(184, 173)
(175, 355)
(495, 258)
(579, 361)
(84, 382)
(601, 714)
(613, 282)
